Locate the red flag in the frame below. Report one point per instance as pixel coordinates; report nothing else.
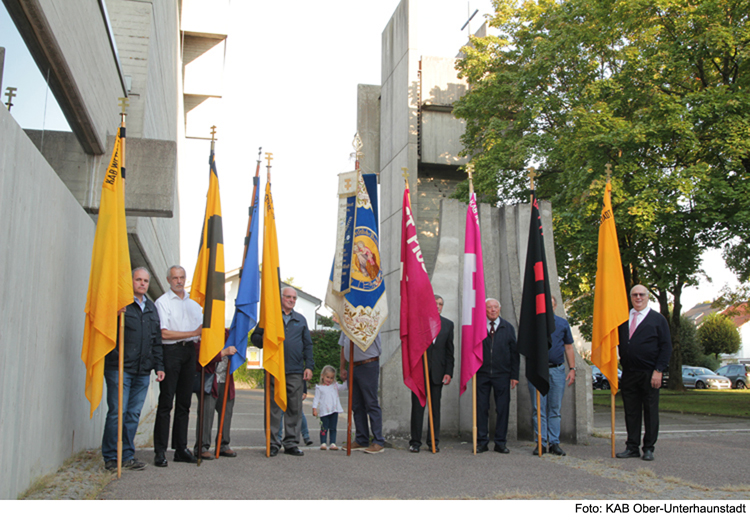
(420, 319)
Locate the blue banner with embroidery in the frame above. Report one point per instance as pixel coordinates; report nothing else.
(362, 309)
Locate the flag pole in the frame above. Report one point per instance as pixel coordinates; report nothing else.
(121, 349)
(429, 401)
(268, 414)
(532, 173)
(230, 376)
(611, 393)
(470, 170)
(349, 411)
(201, 406)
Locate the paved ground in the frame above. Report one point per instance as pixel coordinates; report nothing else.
(697, 458)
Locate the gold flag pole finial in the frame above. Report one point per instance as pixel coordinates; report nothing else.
(358, 145)
(405, 174)
(532, 174)
(608, 172)
(470, 171)
(269, 157)
(124, 103)
(213, 136)
(11, 93)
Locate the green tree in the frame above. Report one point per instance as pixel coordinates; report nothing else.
(326, 351)
(653, 88)
(692, 348)
(718, 335)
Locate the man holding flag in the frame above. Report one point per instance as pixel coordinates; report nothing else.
(499, 374)
(298, 367)
(550, 404)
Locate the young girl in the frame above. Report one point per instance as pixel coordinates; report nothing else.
(327, 406)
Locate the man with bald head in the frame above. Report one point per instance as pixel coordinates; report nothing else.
(499, 374)
(298, 367)
(645, 348)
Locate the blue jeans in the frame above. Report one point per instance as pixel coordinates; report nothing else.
(328, 425)
(551, 404)
(133, 394)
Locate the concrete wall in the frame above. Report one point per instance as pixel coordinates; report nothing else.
(46, 241)
(504, 240)
(48, 182)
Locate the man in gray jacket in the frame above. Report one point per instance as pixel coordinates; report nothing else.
(298, 367)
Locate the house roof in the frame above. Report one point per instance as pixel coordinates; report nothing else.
(699, 312)
(740, 314)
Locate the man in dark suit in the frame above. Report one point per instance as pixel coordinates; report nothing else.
(440, 366)
(499, 373)
(645, 348)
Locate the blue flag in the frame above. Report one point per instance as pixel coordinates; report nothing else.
(248, 294)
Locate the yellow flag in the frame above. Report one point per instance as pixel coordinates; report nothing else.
(610, 296)
(270, 304)
(110, 281)
(207, 288)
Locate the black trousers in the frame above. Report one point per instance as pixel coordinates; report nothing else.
(418, 413)
(500, 387)
(177, 388)
(640, 401)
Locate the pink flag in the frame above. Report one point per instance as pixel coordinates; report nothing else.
(473, 312)
(420, 319)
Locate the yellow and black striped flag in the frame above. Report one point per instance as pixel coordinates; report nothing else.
(207, 287)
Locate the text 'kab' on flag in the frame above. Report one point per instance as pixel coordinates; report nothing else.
(537, 321)
(610, 296)
(248, 293)
(207, 287)
(473, 312)
(420, 319)
(110, 280)
(271, 320)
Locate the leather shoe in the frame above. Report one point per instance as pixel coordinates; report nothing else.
(556, 450)
(414, 449)
(160, 460)
(648, 455)
(207, 455)
(536, 450)
(627, 453)
(184, 455)
(482, 449)
(294, 451)
(274, 451)
(437, 449)
(502, 449)
(227, 452)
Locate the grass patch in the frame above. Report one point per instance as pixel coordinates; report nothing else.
(722, 403)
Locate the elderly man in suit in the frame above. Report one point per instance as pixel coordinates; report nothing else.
(645, 348)
(440, 365)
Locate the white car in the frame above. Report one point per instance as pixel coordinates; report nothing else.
(702, 378)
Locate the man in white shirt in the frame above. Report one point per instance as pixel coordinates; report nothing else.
(181, 324)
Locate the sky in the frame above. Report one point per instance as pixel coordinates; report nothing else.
(290, 85)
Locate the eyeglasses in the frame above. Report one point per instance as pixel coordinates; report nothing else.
(638, 295)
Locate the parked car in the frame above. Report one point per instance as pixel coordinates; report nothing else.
(599, 381)
(737, 373)
(702, 378)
